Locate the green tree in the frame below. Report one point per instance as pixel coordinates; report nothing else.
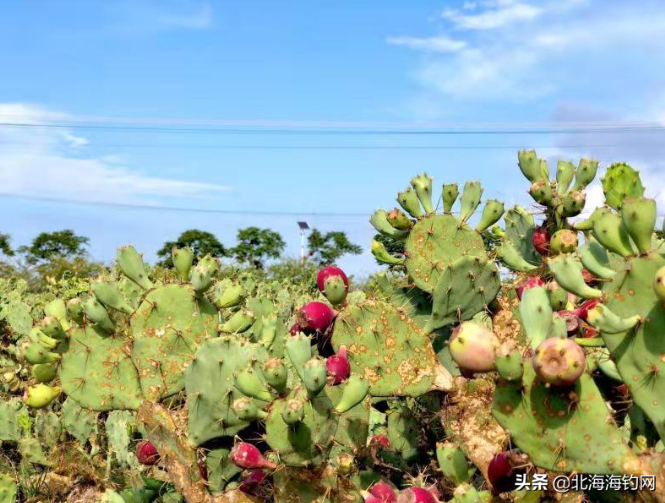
(51, 245)
(5, 246)
(201, 242)
(255, 246)
(325, 249)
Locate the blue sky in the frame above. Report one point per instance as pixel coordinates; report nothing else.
(494, 61)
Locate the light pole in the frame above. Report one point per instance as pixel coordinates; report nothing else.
(303, 226)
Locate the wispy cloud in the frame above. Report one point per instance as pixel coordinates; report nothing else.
(429, 44)
(151, 16)
(49, 162)
(500, 13)
(197, 18)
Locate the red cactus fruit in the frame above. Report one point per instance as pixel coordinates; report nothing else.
(248, 457)
(380, 440)
(559, 362)
(330, 272)
(416, 495)
(295, 328)
(527, 285)
(338, 367)
(503, 470)
(383, 492)
(203, 469)
(541, 240)
(370, 498)
(572, 321)
(252, 483)
(588, 277)
(589, 332)
(315, 317)
(585, 307)
(147, 453)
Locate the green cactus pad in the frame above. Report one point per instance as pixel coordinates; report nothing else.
(621, 182)
(563, 431)
(97, 371)
(308, 442)
(8, 489)
(520, 226)
(436, 241)
(80, 423)
(167, 329)
(220, 470)
(209, 381)
(14, 419)
(639, 353)
(389, 350)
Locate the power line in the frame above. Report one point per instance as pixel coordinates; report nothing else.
(368, 132)
(327, 147)
(132, 206)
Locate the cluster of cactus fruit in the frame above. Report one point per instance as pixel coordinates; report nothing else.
(444, 384)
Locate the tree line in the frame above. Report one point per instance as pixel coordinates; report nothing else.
(57, 253)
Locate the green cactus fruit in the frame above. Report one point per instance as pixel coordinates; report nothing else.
(473, 346)
(389, 350)
(409, 201)
(565, 171)
(398, 219)
(354, 391)
(52, 327)
(98, 372)
(275, 374)
(109, 295)
(470, 200)
(335, 290)
(509, 364)
(452, 462)
(75, 310)
(585, 173)
(465, 288)
(78, 422)
(98, 314)
(8, 489)
(183, 258)
(530, 165)
(423, 187)
(314, 376)
(559, 362)
(238, 323)
(38, 337)
(299, 351)
(210, 262)
(131, 264)
(35, 353)
(382, 255)
(40, 395)
(211, 389)
(639, 219)
(44, 372)
(293, 412)
(541, 192)
(201, 278)
(536, 315)
(596, 259)
(492, 213)
(250, 383)
(58, 310)
(380, 222)
(621, 182)
(512, 258)
(602, 318)
(246, 409)
(567, 272)
(230, 297)
(659, 285)
(449, 194)
(610, 231)
(563, 241)
(557, 295)
(572, 204)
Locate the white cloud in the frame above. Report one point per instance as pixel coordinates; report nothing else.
(501, 13)
(150, 16)
(49, 162)
(198, 18)
(429, 44)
